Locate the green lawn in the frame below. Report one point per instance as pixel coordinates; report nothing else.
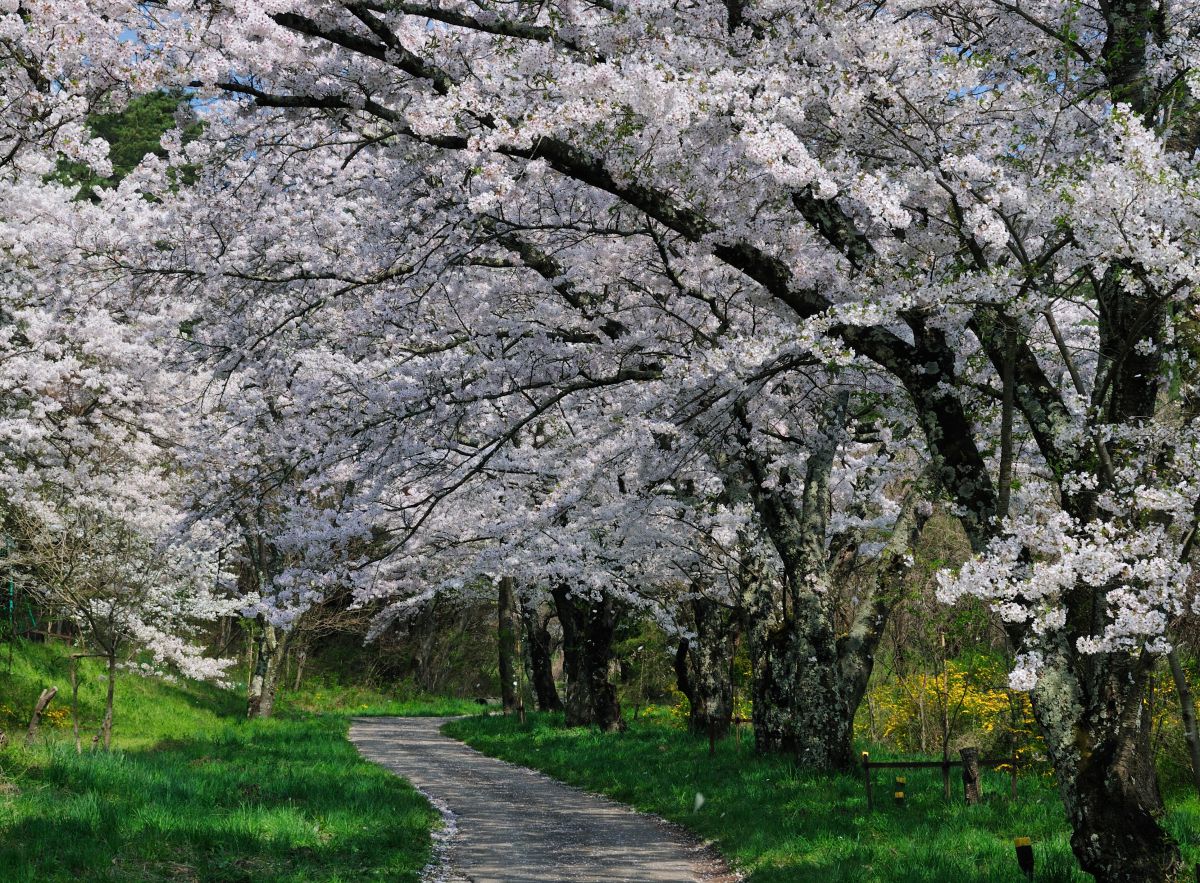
(782, 825)
(194, 793)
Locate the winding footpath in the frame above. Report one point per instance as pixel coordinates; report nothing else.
(508, 824)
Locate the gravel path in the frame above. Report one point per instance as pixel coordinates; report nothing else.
(507, 823)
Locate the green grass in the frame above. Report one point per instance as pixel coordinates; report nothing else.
(332, 697)
(781, 825)
(194, 793)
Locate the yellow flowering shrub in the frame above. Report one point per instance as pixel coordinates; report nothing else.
(967, 703)
(57, 717)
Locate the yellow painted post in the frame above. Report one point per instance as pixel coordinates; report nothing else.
(1024, 849)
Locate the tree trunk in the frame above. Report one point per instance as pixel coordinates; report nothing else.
(589, 627)
(707, 665)
(799, 707)
(274, 671)
(301, 656)
(541, 645)
(797, 682)
(972, 792)
(1097, 733)
(808, 683)
(43, 701)
(1091, 708)
(683, 674)
(269, 653)
(106, 725)
(507, 635)
(1187, 707)
(75, 703)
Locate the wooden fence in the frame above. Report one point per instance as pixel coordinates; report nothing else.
(969, 762)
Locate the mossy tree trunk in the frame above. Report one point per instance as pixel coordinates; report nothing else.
(1097, 731)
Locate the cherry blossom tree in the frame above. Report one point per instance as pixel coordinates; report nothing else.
(88, 491)
(992, 204)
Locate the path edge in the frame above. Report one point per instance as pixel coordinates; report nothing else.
(709, 859)
(437, 869)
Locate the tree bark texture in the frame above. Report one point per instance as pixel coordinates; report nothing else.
(43, 701)
(270, 651)
(589, 627)
(541, 658)
(704, 667)
(808, 681)
(507, 625)
(1097, 731)
(972, 792)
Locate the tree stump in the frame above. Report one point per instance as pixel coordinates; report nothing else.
(40, 706)
(970, 774)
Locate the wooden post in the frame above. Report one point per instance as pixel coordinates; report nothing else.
(1024, 856)
(75, 702)
(970, 775)
(899, 792)
(866, 764)
(40, 706)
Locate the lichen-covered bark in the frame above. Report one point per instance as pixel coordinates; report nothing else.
(1097, 732)
(589, 626)
(797, 690)
(856, 649)
(807, 681)
(796, 679)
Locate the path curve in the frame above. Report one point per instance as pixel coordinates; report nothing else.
(510, 824)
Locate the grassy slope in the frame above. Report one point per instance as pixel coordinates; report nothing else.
(332, 697)
(780, 824)
(193, 793)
